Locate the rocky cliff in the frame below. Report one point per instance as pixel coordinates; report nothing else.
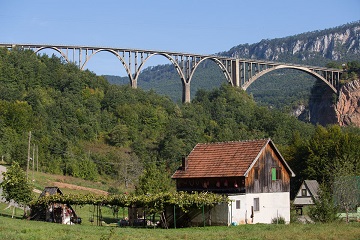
(340, 43)
(324, 109)
(347, 108)
(321, 105)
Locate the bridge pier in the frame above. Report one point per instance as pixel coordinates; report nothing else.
(235, 72)
(185, 92)
(133, 83)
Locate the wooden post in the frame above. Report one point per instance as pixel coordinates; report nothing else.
(174, 216)
(203, 214)
(37, 158)
(27, 168)
(33, 163)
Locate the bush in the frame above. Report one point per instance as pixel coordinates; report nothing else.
(278, 220)
(324, 209)
(114, 191)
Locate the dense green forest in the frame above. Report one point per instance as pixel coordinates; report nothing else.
(85, 127)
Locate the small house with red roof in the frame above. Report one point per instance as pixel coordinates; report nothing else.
(253, 174)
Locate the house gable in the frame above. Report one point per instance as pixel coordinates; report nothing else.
(308, 191)
(268, 174)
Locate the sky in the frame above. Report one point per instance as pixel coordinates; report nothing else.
(193, 26)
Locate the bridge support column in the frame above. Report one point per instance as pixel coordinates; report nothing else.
(235, 73)
(133, 83)
(186, 92)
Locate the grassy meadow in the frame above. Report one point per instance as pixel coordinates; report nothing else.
(24, 229)
(18, 228)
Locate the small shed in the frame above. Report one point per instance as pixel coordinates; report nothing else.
(306, 195)
(54, 212)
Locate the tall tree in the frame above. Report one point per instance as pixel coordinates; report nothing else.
(154, 179)
(16, 186)
(346, 186)
(324, 209)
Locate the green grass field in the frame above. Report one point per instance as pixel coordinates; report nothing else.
(18, 228)
(24, 229)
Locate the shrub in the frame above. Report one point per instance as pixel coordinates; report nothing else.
(278, 220)
(324, 209)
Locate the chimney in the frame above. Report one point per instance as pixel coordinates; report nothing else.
(184, 163)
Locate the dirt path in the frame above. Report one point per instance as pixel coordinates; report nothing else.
(2, 169)
(75, 187)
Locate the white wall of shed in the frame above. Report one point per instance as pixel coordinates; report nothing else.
(271, 205)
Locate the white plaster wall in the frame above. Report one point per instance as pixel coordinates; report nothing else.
(271, 205)
(239, 216)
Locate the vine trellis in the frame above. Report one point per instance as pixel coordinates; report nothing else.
(154, 203)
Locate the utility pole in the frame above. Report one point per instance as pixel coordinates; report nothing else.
(37, 158)
(28, 160)
(33, 163)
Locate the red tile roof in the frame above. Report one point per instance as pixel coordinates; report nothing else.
(224, 159)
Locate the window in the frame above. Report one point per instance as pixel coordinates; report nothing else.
(256, 173)
(303, 192)
(237, 204)
(256, 204)
(275, 174)
(278, 173)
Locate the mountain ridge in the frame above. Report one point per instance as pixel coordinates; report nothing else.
(333, 44)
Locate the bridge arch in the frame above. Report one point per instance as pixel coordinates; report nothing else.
(219, 63)
(184, 82)
(171, 59)
(304, 69)
(122, 60)
(56, 49)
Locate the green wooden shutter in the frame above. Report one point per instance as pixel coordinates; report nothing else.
(273, 174)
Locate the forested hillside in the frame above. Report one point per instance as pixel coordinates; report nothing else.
(85, 127)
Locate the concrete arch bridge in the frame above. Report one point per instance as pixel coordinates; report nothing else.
(238, 72)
